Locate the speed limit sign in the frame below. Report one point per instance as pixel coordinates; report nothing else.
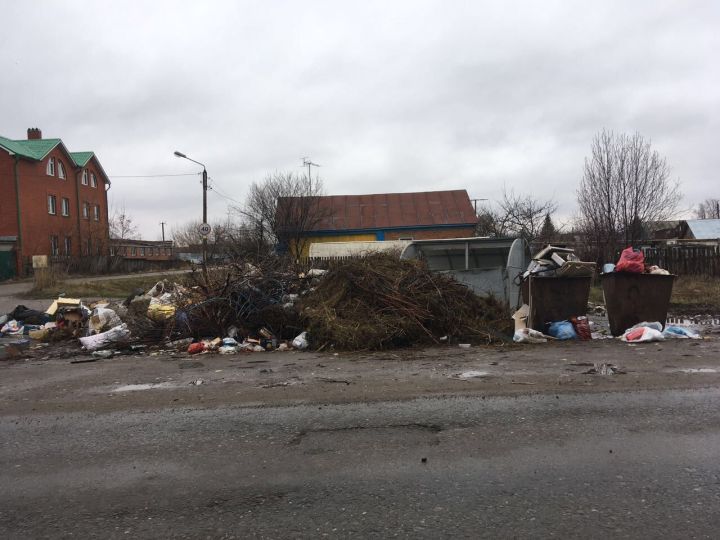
(204, 229)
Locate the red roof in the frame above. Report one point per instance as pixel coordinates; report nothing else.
(391, 210)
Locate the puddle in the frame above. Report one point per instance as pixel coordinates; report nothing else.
(470, 374)
(144, 386)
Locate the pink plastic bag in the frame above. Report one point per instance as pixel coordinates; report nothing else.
(631, 261)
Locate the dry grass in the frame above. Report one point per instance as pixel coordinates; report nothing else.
(696, 294)
(118, 287)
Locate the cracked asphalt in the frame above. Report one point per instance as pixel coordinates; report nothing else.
(364, 445)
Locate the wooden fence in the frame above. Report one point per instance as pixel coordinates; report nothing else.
(686, 260)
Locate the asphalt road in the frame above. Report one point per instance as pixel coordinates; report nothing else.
(621, 465)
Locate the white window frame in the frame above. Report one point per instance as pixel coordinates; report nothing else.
(84, 177)
(65, 206)
(52, 205)
(68, 245)
(61, 170)
(93, 180)
(54, 247)
(133, 251)
(50, 170)
(96, 212)
(86, 211)
(142, 251)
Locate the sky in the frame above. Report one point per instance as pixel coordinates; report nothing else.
(388, 96)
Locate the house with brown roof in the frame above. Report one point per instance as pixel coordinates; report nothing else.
(389, 216)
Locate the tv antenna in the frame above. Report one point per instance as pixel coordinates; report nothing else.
(307, 163)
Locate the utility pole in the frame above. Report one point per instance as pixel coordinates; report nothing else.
(162, 224)
(204, 223)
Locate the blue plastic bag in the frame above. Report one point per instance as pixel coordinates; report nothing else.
(562, 330)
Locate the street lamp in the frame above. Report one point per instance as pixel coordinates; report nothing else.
(204, 220)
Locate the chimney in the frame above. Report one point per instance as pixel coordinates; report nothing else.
(34, 133)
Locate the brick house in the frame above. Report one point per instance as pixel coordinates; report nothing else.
(388, 216)
(54, 201)
(149, 250)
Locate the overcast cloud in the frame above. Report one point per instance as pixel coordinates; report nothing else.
(386, 96)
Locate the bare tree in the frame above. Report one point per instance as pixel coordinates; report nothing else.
(283, 208)
(122, 225)
(227, 239)
(524, 215)
(490, 222)
(708, 209)
(626, 184)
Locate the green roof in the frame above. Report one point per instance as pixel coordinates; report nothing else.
(81, 158)
(33, 149)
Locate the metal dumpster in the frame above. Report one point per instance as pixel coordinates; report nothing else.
(489, 266)
(555, 298)
(633, 298)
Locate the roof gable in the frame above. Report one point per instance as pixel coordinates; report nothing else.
(394, 210)
(35, 149)
(704, 229)
(81, 158)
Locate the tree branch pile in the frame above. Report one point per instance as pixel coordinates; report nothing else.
(380, 302)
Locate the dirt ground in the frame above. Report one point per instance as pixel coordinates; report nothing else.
(50, 379)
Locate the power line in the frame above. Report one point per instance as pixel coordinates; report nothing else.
(153, 175)
(213, 187)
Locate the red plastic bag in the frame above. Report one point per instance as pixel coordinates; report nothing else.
(195, 348)
(582, 327)
(631, 261)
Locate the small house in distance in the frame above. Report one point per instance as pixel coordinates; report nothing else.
(390, 216)
(701, 229)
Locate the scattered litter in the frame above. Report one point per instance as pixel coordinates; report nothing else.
(528, 335)
(103, 354)
(678, 332)
(119, 334)
(197, 382)
(644, 331)
(582, 327)
(562, 330)
(300, 342)
(103, 319)
(196, 348)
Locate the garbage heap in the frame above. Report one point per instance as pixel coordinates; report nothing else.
(370, 303)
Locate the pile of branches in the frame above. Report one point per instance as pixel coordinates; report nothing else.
(380, 302)
(240, 295)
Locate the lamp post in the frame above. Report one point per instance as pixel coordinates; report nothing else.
(204, 181)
